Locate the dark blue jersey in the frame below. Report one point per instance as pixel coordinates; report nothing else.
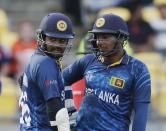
(111, 91)
(42, 81)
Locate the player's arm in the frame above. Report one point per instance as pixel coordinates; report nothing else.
(75, 71)
(69, 104)
(72, 73)
(140, 116)
(142, 96)
(58, 115)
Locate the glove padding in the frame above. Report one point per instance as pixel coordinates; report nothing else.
(62, 120)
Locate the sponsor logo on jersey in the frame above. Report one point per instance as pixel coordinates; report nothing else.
(50, 82)
(117, 82)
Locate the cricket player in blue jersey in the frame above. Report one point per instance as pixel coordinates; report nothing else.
(116, 83)
(42, 100)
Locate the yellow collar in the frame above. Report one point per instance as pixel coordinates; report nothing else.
(113, 64)
(116, 63)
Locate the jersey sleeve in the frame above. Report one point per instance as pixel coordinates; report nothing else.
(140, 116)
(47, 79)
(142, 90)
(75, 71)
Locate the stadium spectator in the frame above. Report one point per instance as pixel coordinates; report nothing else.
(159, 25)
(23, 48)
(141, 33)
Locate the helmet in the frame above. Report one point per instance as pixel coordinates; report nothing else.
(55, 25)
(110, 24)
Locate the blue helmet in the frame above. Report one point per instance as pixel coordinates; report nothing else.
(55, 25)
(110, 23)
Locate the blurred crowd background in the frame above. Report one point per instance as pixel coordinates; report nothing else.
(19, 20)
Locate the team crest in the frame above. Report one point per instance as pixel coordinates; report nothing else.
(61, 25)
(100, 22)
(117, 82)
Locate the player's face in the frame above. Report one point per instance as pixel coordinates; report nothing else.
(56, 46)
(106, 42)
